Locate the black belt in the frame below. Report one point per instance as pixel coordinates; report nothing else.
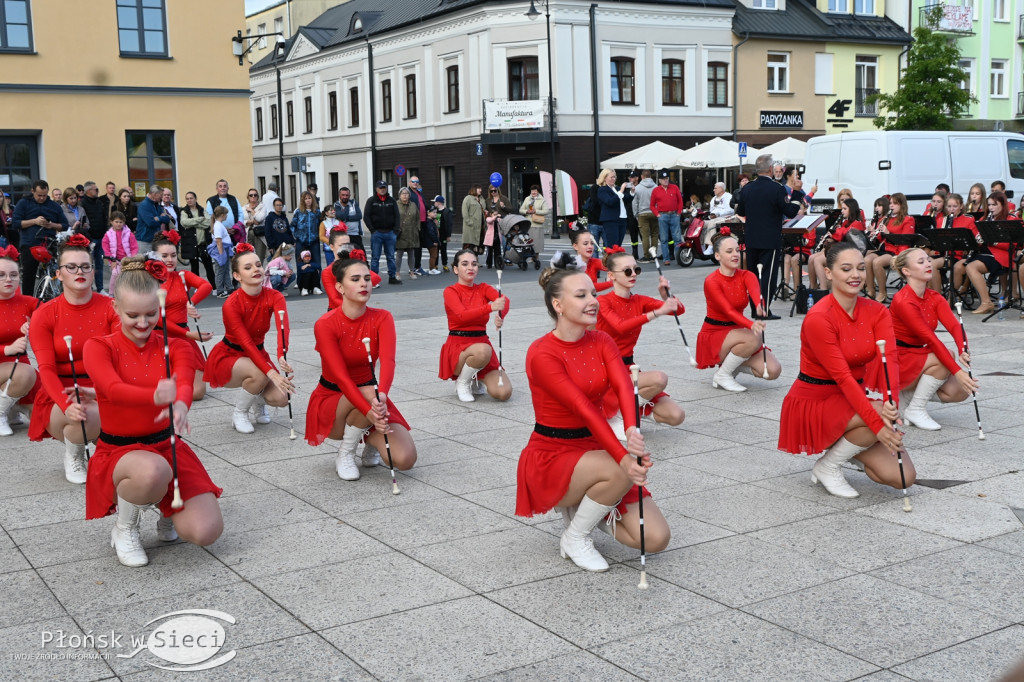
(455, 332)
(151, 439)
(807, 379)
(235, 346)
(627, 360)
(904, 344)
(565, 434)
(72, 376)
(337, 389)
(720, 323)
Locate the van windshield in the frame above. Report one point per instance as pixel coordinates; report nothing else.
(1015, 153)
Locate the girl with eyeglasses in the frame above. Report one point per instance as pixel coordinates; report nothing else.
(16, 372)
(81, 313)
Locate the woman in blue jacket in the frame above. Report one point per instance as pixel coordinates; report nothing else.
(613, 211)
(306, 227)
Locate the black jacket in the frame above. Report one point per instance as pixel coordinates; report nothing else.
(765, 204)
(277, 230)
(96, 211)
(381, 214)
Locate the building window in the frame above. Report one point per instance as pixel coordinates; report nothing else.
(866, 85)
(864, 6)
(293, 193)
(997, 78)
(332, 111)
(718, 84)
(622, 80)
(273, 121)
(259, 123)
(672, 81)
(151, 158)
(452, 80)
(523, 79)
(353, 107)
(778, 72)
(967, 84)
(385, 101)
(410, 96)
(261, 31)
(838, 6)
(279, 25)
(141, 28)
(289, 119)
(307, 105)
(15, 26)
(261, 182)
(999, 10)
(764, 4)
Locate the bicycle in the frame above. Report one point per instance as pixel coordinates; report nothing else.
(47, 285)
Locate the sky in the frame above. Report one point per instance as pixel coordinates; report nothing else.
(256, 5)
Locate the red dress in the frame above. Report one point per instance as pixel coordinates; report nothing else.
(50, 324)
(339, 340)
(845, 227)
(468, 309)
(594, 268)
(125, 377)
(14, 311)
(177, 310)
(328, 280)
(835, 347)
(914, 320)
(726, 298)
(247, 320)
(568, 382)
(906, 226)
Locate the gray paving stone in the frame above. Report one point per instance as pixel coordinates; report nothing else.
(256, 448)
(1011, 543)
(671, 443)
(871, 493)
(503, 501)
(743, 508)
(12, 560)
(730, 646)
(676, 477)
(945, 513)
(26, 600)
(357, 590)
(478, 638)
(44, 508)
(743, 431)
(26, 639)
(467, 475)
(342, 498)
(875, 620)
(748, 464)
(988, 657)
(511, 443)
(261, 510)
(424, 523)
(38, 473)
(569, 668)
(1007, 489)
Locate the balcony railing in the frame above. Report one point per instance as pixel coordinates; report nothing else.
(945, 18)
(863, 107)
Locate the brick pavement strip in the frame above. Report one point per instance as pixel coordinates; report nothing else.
(767, 576)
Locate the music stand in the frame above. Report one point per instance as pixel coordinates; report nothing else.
(902, 239)
(923, 222)
(1010, 232)
(832, 217)
(948, 242)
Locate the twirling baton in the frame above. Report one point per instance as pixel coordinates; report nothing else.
(176, 503)
(11, 377)
(284, 354)
(202, 344)
(635, 371)
(78, 395)
(679, 325)
(501, 379)
(376, 392)
(977, 415)
(899, 451)
(764, 348)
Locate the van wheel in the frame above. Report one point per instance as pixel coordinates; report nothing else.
(685, 257)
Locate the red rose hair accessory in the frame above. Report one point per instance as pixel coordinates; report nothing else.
(157, 269)
(615, 249)
(172, 237)
(9, 252)
(244, 247)
(725, 232)
(357, 254)
(78, 240)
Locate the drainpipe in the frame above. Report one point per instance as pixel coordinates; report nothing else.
(373, 113)
(595, 96)
(735, 81)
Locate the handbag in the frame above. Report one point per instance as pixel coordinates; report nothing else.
(536, 219)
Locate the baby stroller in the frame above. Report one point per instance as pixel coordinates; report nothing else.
(518, 242)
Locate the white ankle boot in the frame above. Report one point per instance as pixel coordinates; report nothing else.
(725, 376)
(262, 412)
(345, 463)
(371, 456)
(916, 411)
(165, 528)
(6, 403)
(240, 417)
(464, 384)
(828, 469)
(479, 387)
(576, 543)
(75, 467)
(125, 537)
(567, 514)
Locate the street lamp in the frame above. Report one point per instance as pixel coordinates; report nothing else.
(239, 50)
(532, 14)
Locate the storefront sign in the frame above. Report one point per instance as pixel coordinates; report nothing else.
(782, 119)
(514, 115)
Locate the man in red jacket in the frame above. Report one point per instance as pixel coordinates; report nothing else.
(666, 205)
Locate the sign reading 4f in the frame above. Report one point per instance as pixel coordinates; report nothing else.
(840, 107)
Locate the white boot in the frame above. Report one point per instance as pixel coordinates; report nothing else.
(259, 407)
(725, 376)
(345, 463)
(828, 469)
(125, 537)
(240, 417)
(916, 411)
(6, 403)
(371, 456)
(618, 427)
(165, 528)
(479, 387)
(608, 523)
(464, 384)
(75, 467)
(567, 514)
(576, 543)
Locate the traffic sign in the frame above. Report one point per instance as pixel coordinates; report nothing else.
(743, 150)
(399, 170)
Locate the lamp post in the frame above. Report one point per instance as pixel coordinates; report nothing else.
(239, 50)
(532, 14)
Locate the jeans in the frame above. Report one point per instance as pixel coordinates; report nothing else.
(223, 277)
(597, 231)
(670, 233)
(614, 231)
(386, 241)
(279, 283)
(97, 262)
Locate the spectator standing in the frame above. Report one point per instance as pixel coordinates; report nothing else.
(535, 207)
(269, 197)
(444, 229)
(167, 204)
(416, 195)
(253, 217)
(632, 230)
(667, 205)
(98, 214)
(117, 243)
(408, 241)
(152, 219)
(473, 215)
(743, 180)
(228, 201)
(56, 194)
(125, 204)
(110, 197)
(276, 229)
(380, 214)
(347, 211)
(223, 250)
(499, 206)
(647, 222)
(75, 214)
(36, 217)
(6, 211)
(195, 236)
(613, 210)
(306, 227)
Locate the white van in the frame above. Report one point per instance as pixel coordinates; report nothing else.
(872, 164)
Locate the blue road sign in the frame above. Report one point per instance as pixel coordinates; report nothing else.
(743, 149)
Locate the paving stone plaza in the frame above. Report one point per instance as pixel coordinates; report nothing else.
(767, 576)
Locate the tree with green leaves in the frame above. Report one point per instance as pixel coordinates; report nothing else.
(929, 96)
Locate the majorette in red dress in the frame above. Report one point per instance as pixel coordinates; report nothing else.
(468, 309)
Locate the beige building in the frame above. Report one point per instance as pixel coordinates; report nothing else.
(133, 91)
(283, 16)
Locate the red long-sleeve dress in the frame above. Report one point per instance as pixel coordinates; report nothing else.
(327, 285)
(247, 320)
(344, 367)
(177, 309)
(50, 324)
(906, 226)
(845, 227)
(835, 348)
(726, 299)
(594, 268)
(125, 376)
(468, 309)
(13, 313)
(568, 381)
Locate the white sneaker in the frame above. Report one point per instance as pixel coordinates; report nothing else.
(316, 290)
(371, 457)
(303, 293)
(434, 271)
(75, 467)
(165, 529)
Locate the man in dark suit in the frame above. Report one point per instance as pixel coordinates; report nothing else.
(765, 205)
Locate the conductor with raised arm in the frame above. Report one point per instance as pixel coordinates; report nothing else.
(765, 206)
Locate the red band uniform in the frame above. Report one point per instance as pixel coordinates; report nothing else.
(177, 309)
(468, 309)
(13, 313)
(247, 320)
(726, 299)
